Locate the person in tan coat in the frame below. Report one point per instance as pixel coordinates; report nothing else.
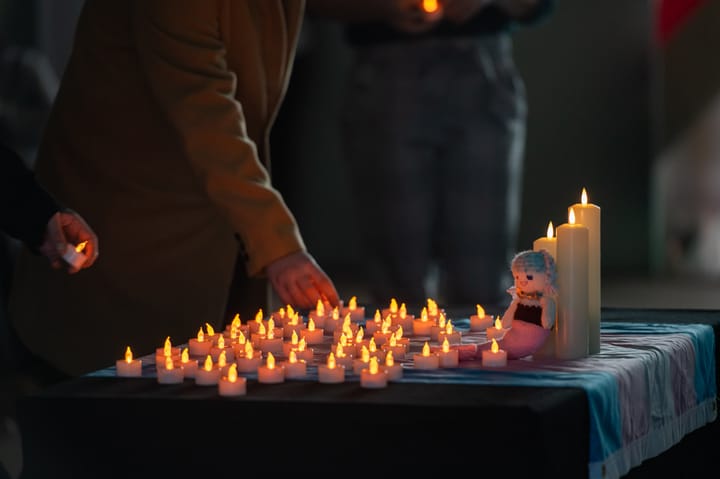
(160, 134)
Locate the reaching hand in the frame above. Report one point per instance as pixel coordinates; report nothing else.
(68, 228)
(299, 281)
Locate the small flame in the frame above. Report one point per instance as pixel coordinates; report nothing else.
(583, 197)
(221, 342)
(372, 345)
(377, 318)
(200, 336)
(373, 365)
(80, 246)
(360, 335)
(259, 316)
(399, 332)
(294, 338)
(432, 307)
(302, 345)
(441, 320)
(352, 304)
(445, 346)
(241, 338)
(210, 330)
(424, 315)
(403, 311)
(281, 312)
(393, 306)
(311, 325)
(550, 231)
(232, 373)
(449, 327)
(480, 311)
(320, 308)
(222, 359)
(331, 361)
(430, 6)
(498, 323)
(292, 357)
(339, 351)
(494, 348)
(393, 341)
(236, 323)
(336, 314)
(185, 356)
(389, 359)
(261, 330)
(571, 216)
(426, 349)
(167, 349)
(270, 361)
(290, 310)
(128, 355)
(249, 350)
(365, 354)
(208, 364)
(169, 363)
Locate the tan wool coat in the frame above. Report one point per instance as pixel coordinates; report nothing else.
(159, 139)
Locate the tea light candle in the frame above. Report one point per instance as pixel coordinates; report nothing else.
(494, 357)
(439, 327)
(361, 362)
(425, 359)
(348, 328)
(318, 315)
(392, 309)
(449, 358)
(398, 348)
(250, 361)
(74, 255)
(294, 368)
(331, 372)
(270, 373)
(169, 374)
(255, 324)
(423, 325)
(293, 325)
(588, 214)
(480, 321)
(272, 343)
(343, 358)
(232, 385)
(128, 367)
(450, 334)
(393, 370)
(403, 319)
(200, 345)
(385, 332)
(357, 313)
(303, 352)
(373, 377)
(497, 331)
(219, 348)
(168, 350)
(311, 334)
(208, 375)
(374, 324)
(188, 365)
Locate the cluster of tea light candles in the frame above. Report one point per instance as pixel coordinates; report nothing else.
(219, 358)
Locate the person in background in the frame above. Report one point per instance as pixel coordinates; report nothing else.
(434, 135)
(159, 133)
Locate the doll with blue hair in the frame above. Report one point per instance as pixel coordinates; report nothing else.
(531, 316)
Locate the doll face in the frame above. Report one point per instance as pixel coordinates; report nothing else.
(529, 282)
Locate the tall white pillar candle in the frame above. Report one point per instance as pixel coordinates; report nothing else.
(572, 270)
(588, 215)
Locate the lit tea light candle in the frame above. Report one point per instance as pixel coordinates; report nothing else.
(393, 370)
(239, 345)
(480, 321)
(294, 368)
(439, 327)
(494, 357)
(271, 373)
(357, 313)
(361, 362)
(255, 324)
(497, 331)
(232, 385)
(168, 373)
(167, 351)
(74, 255)
(392, 309)
(373, 377)
(303, 352)
(188, 365)
(434, 310)
(423, 325)
(403, 319)
(208, 374)
(128, 367)
(250, 361)
(449, 357)
(385, 332)
(333, 322)
(312, 334)
(331, 372)
(375, 324)
(426, 359)
(272, 343)
(343, 358)
(292, 325)
(348, 328)
(222, 363)
(199, 345)
(222, 347)
(211, 335)
(318, 315)
(394, 344)
(450, 334)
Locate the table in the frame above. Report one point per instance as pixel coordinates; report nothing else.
(426, 423)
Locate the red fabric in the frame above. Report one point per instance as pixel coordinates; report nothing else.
(672, 15)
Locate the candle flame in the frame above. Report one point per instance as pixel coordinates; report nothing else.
(432, 307)
(249, 350)
(441, 320)
(571, 216)
(430, 6)
(389, 359)
(360, 335)
(550, 231)
(261, 330)
(222, 359)
(393, 306)
(399, 332)
(128, 355)
(498, 323)
(311, 325)
(185, 356)
(320, 308)
(583, 197)
(200, 336)
(352, 304)
(302, 344)
(232, 373)
(210, 329)
(241, 338)
(377, 318)
(80, 246)
(259, 316)
(426, 349)
(281, 312)
(336, 313)
(331, 361)
(169, 363)
(294, 338)
(270, 361)
(365, 354)
(480, 311)
(167, 349)
(292, 357)
(494, 348)
(208, 364)
(236, 323)
(449, 327)
(424, 315)
(373, 365)
(339, 351)
(393, 340)
(403, 311)
(445, 346)
(290, 310)
(372, 345)
(221, 342)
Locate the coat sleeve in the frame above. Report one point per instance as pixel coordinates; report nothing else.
(25, 207)
(183, 57)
